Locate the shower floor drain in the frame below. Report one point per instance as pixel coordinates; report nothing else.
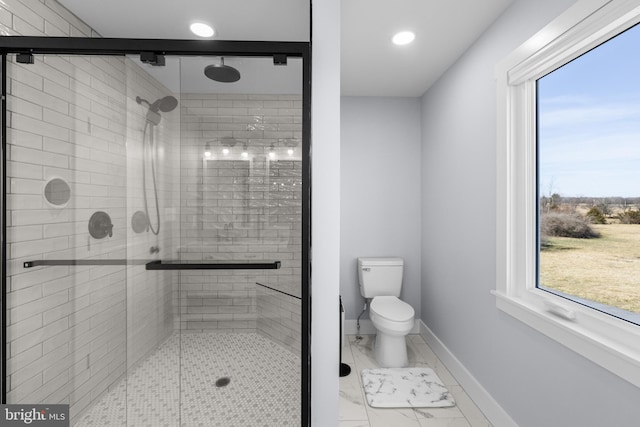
(223, 381)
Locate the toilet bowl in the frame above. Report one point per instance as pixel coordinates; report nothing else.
(381, 282)
(393, 320)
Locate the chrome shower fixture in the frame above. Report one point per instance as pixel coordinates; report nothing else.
(165, 105)
(222, 73)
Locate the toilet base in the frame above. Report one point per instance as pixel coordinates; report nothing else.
(390, 351)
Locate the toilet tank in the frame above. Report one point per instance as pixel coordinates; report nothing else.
(380, 276)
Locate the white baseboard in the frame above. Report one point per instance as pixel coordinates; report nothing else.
(485, 402)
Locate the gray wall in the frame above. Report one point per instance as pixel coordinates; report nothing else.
(537, 381)
(380, 191)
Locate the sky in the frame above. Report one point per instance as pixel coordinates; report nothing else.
(589, 122)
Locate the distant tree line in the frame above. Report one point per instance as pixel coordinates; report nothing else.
(556, 199)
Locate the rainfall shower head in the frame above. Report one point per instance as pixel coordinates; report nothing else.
(222, 73)
(166, 104)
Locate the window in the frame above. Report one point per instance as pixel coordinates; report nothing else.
(567, 118)
(588, 178)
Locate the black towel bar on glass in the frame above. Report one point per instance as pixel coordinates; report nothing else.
(175, 265)
(160, 265)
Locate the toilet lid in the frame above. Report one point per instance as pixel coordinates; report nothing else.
(392, 308)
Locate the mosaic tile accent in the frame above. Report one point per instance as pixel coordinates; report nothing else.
(264, 388)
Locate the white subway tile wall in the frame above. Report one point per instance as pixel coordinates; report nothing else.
(74, 330)
(242, 202)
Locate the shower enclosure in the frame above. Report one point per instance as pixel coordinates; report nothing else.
(155, 219)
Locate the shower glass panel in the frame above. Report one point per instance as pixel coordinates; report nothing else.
(240, 201)
(154, 239)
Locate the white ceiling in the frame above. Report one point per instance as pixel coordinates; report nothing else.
(282, 20)
(370, 64)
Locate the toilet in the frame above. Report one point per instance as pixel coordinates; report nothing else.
(381, 280)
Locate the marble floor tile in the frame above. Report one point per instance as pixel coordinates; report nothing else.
(350, 423)
(355, 412)
(444, 374)
(352, 401)
(432, 413)
(419, 346)
(445, 422)
(386, 417)
(468, 407)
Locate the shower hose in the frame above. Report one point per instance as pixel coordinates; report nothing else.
(152, 155)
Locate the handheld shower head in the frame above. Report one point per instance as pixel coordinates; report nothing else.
(166, 104)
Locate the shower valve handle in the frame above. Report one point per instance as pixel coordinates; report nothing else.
(100, 225)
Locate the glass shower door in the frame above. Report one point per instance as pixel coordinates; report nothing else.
(154, 222)
(83, 313)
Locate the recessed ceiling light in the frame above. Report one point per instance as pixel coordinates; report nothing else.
(403, 37)
(201, 30)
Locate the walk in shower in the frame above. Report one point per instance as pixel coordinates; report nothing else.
(155, 251)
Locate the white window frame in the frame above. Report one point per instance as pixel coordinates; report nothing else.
(608, 341)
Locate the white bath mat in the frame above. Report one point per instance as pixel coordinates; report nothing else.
(405, 388)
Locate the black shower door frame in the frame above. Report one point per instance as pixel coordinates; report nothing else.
(154, 48)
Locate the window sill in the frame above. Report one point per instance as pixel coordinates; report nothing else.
(616, 349)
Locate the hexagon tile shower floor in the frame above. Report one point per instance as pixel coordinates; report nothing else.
(263, 386)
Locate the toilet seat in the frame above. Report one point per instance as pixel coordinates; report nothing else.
(392, 309)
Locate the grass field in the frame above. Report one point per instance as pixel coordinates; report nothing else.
(605, 270)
